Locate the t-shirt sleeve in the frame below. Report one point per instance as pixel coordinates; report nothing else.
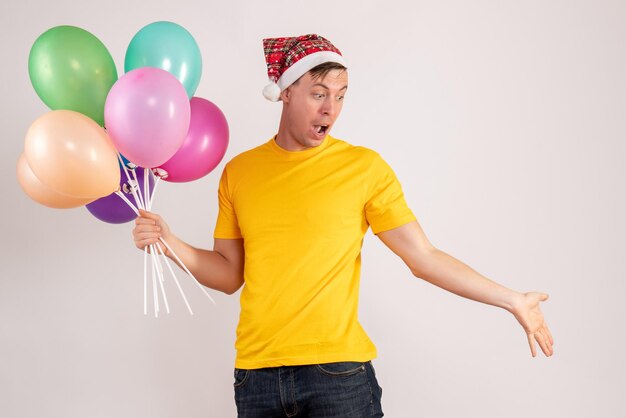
(385, 207)
(227, 225)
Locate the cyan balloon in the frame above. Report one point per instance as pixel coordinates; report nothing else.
(168, 46)
(129, 164)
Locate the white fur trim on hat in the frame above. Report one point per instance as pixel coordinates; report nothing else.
(304, 64)
(271, 92)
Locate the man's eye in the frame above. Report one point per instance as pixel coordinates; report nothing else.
(318, 95)
(340, 97)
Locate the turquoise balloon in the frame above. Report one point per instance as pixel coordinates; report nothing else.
(168, 46)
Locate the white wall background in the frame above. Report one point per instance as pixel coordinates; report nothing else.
(504, 121)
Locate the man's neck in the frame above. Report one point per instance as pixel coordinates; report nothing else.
(287, 142)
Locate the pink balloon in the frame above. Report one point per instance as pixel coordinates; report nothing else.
(147, 115)
(204, 147)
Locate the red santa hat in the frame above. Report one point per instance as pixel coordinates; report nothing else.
(289, 58)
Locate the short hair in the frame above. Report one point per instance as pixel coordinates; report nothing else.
(321, 70)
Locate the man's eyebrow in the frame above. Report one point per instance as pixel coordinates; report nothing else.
(326, 87)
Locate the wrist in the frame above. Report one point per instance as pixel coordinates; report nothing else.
(171, 240)
(514, 301)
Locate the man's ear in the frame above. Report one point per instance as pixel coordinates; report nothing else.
(285, 95)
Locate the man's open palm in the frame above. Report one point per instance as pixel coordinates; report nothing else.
(529, 315)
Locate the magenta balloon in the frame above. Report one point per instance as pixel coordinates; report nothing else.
(147, 115)
(204, 147)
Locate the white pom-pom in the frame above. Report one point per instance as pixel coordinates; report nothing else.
(271, 92)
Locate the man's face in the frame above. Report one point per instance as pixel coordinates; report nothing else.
(311, 106)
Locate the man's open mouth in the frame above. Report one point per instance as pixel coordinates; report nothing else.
(320, 129)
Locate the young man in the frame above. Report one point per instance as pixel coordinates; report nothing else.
(296, 209)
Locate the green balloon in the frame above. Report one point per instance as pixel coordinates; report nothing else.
(72, 69)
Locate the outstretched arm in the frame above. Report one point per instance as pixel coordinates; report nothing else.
(441, 269)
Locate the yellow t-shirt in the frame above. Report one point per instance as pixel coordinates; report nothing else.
(302, 216)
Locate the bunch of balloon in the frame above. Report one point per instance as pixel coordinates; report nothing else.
(155, 121)
(153, 128)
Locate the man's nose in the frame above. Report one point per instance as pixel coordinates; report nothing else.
(329, 107)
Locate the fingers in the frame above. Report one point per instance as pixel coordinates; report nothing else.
(144, 224)
(532, 345)
(549, 333)
(146, 231)
(142, 236)
(149, 228)
(146, 227)
(146, 234)
(146, 237)
(144, 221)
(158, 248)
(146, 214)
(547, 340)
(542, 340)
(147, 217)
(142, 244)
(149, 245)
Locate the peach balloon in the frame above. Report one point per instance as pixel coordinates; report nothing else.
(41, 193)
(72, 155)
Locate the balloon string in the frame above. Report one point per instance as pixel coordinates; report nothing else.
(132, 189)
(159, 270)
(145, 267)
(156, 183)
(139, 204)
(155, 297)
(155, 259)
(146, 201)
(141, 201)
(145, 280)
(125, 199)
(169, 266)
(186, 269)
(146, 188)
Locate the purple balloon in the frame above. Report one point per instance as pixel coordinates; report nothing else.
(146, 115)
(112, 208)
(205, 144)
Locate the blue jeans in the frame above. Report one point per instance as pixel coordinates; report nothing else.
(344, 389)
